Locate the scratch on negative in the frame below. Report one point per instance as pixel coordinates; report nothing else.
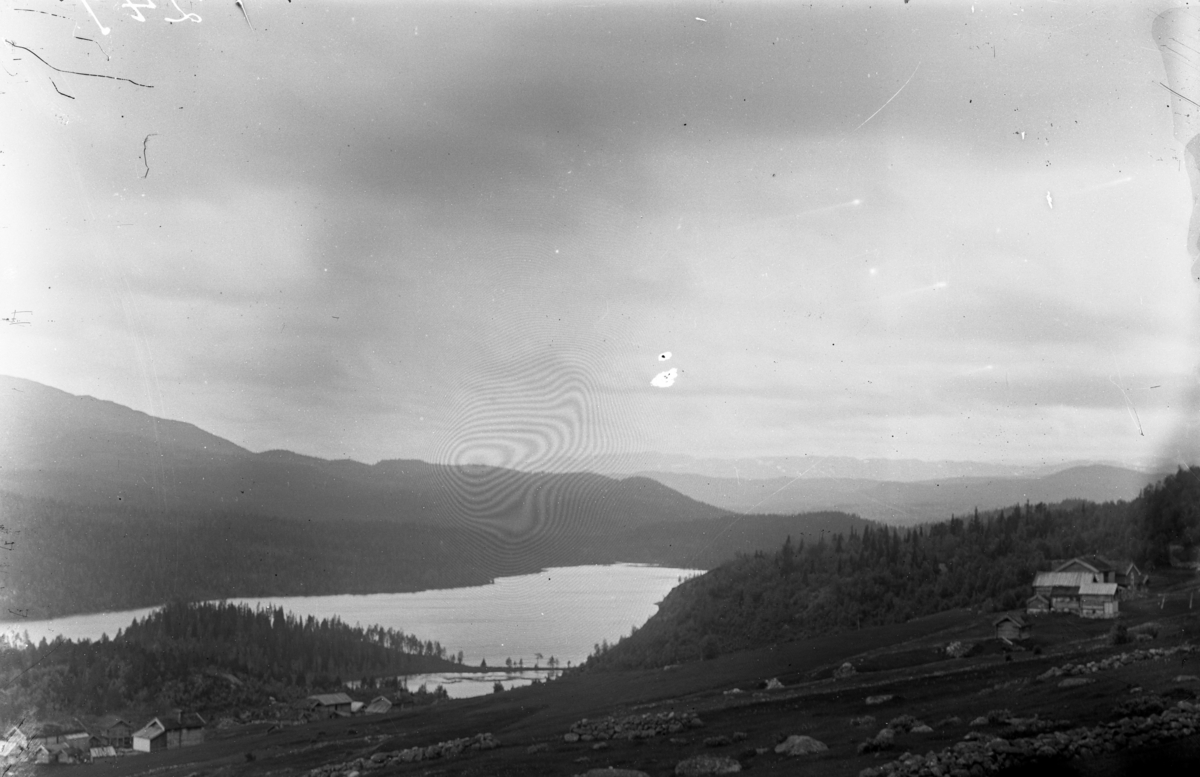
(145, 159)
(75, 72)
(245, 16)
(893, 97)
(102, 51)
(64, 94)
(47, 13)
(1129, 405)
(1177, 94)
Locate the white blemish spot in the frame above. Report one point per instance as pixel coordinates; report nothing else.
(1049, 200)
(701, 20)
(665, 379)
(662, 357)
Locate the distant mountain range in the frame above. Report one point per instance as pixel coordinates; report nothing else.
(81, 449)
(912, 502)
(85, 450)
(808, 467)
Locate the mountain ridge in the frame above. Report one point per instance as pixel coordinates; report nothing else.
(907, 503)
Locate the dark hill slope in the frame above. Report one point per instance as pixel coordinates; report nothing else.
(88, 451)
(876, 576)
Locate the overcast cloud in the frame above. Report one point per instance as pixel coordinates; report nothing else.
(466, 231)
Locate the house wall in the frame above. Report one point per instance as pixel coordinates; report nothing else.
(118, 736)
(144, 745)
(1060, 603)
(184, 737)
(1098, 607)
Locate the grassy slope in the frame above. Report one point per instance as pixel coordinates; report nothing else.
(818, 707)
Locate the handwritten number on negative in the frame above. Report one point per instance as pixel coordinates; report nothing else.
(136, 8)
(184, 17)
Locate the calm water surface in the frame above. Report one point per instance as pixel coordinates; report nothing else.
(561, 612)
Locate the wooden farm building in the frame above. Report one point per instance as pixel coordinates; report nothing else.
(115, 732)
(1012, 628)
(56, 753)
(1098, 600)
(1063, 588)
(1037, 604)
(17, 737)
(1131, 578)
(1105, 571)
(335, 703)
(378, 706)
(169, 732)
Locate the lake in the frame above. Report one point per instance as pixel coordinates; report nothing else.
(561, 612)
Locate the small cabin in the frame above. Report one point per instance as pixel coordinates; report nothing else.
(1037, 604)
(1098, 600)
(1132, 579)
(56, 753)
(379, 705)
(1011, 628)
(169, 732)
(17, 737)
(337, 703)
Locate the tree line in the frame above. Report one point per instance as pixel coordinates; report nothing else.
(208, 656)
(883, 575)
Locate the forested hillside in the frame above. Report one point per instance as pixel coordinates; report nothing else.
(204, 657)
(63, 558)
(883, 575)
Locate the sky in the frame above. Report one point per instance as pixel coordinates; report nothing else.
(478, 232)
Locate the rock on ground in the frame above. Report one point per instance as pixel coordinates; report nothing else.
(613, 772)
(1074, 682)
(798, 744)
(706, 765)
(845, 670)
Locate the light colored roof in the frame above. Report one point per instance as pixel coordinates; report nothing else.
(149, 731)
(1061, 579)
(1098, 589)
(107, 751)
(331, 699)
(379, 704)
